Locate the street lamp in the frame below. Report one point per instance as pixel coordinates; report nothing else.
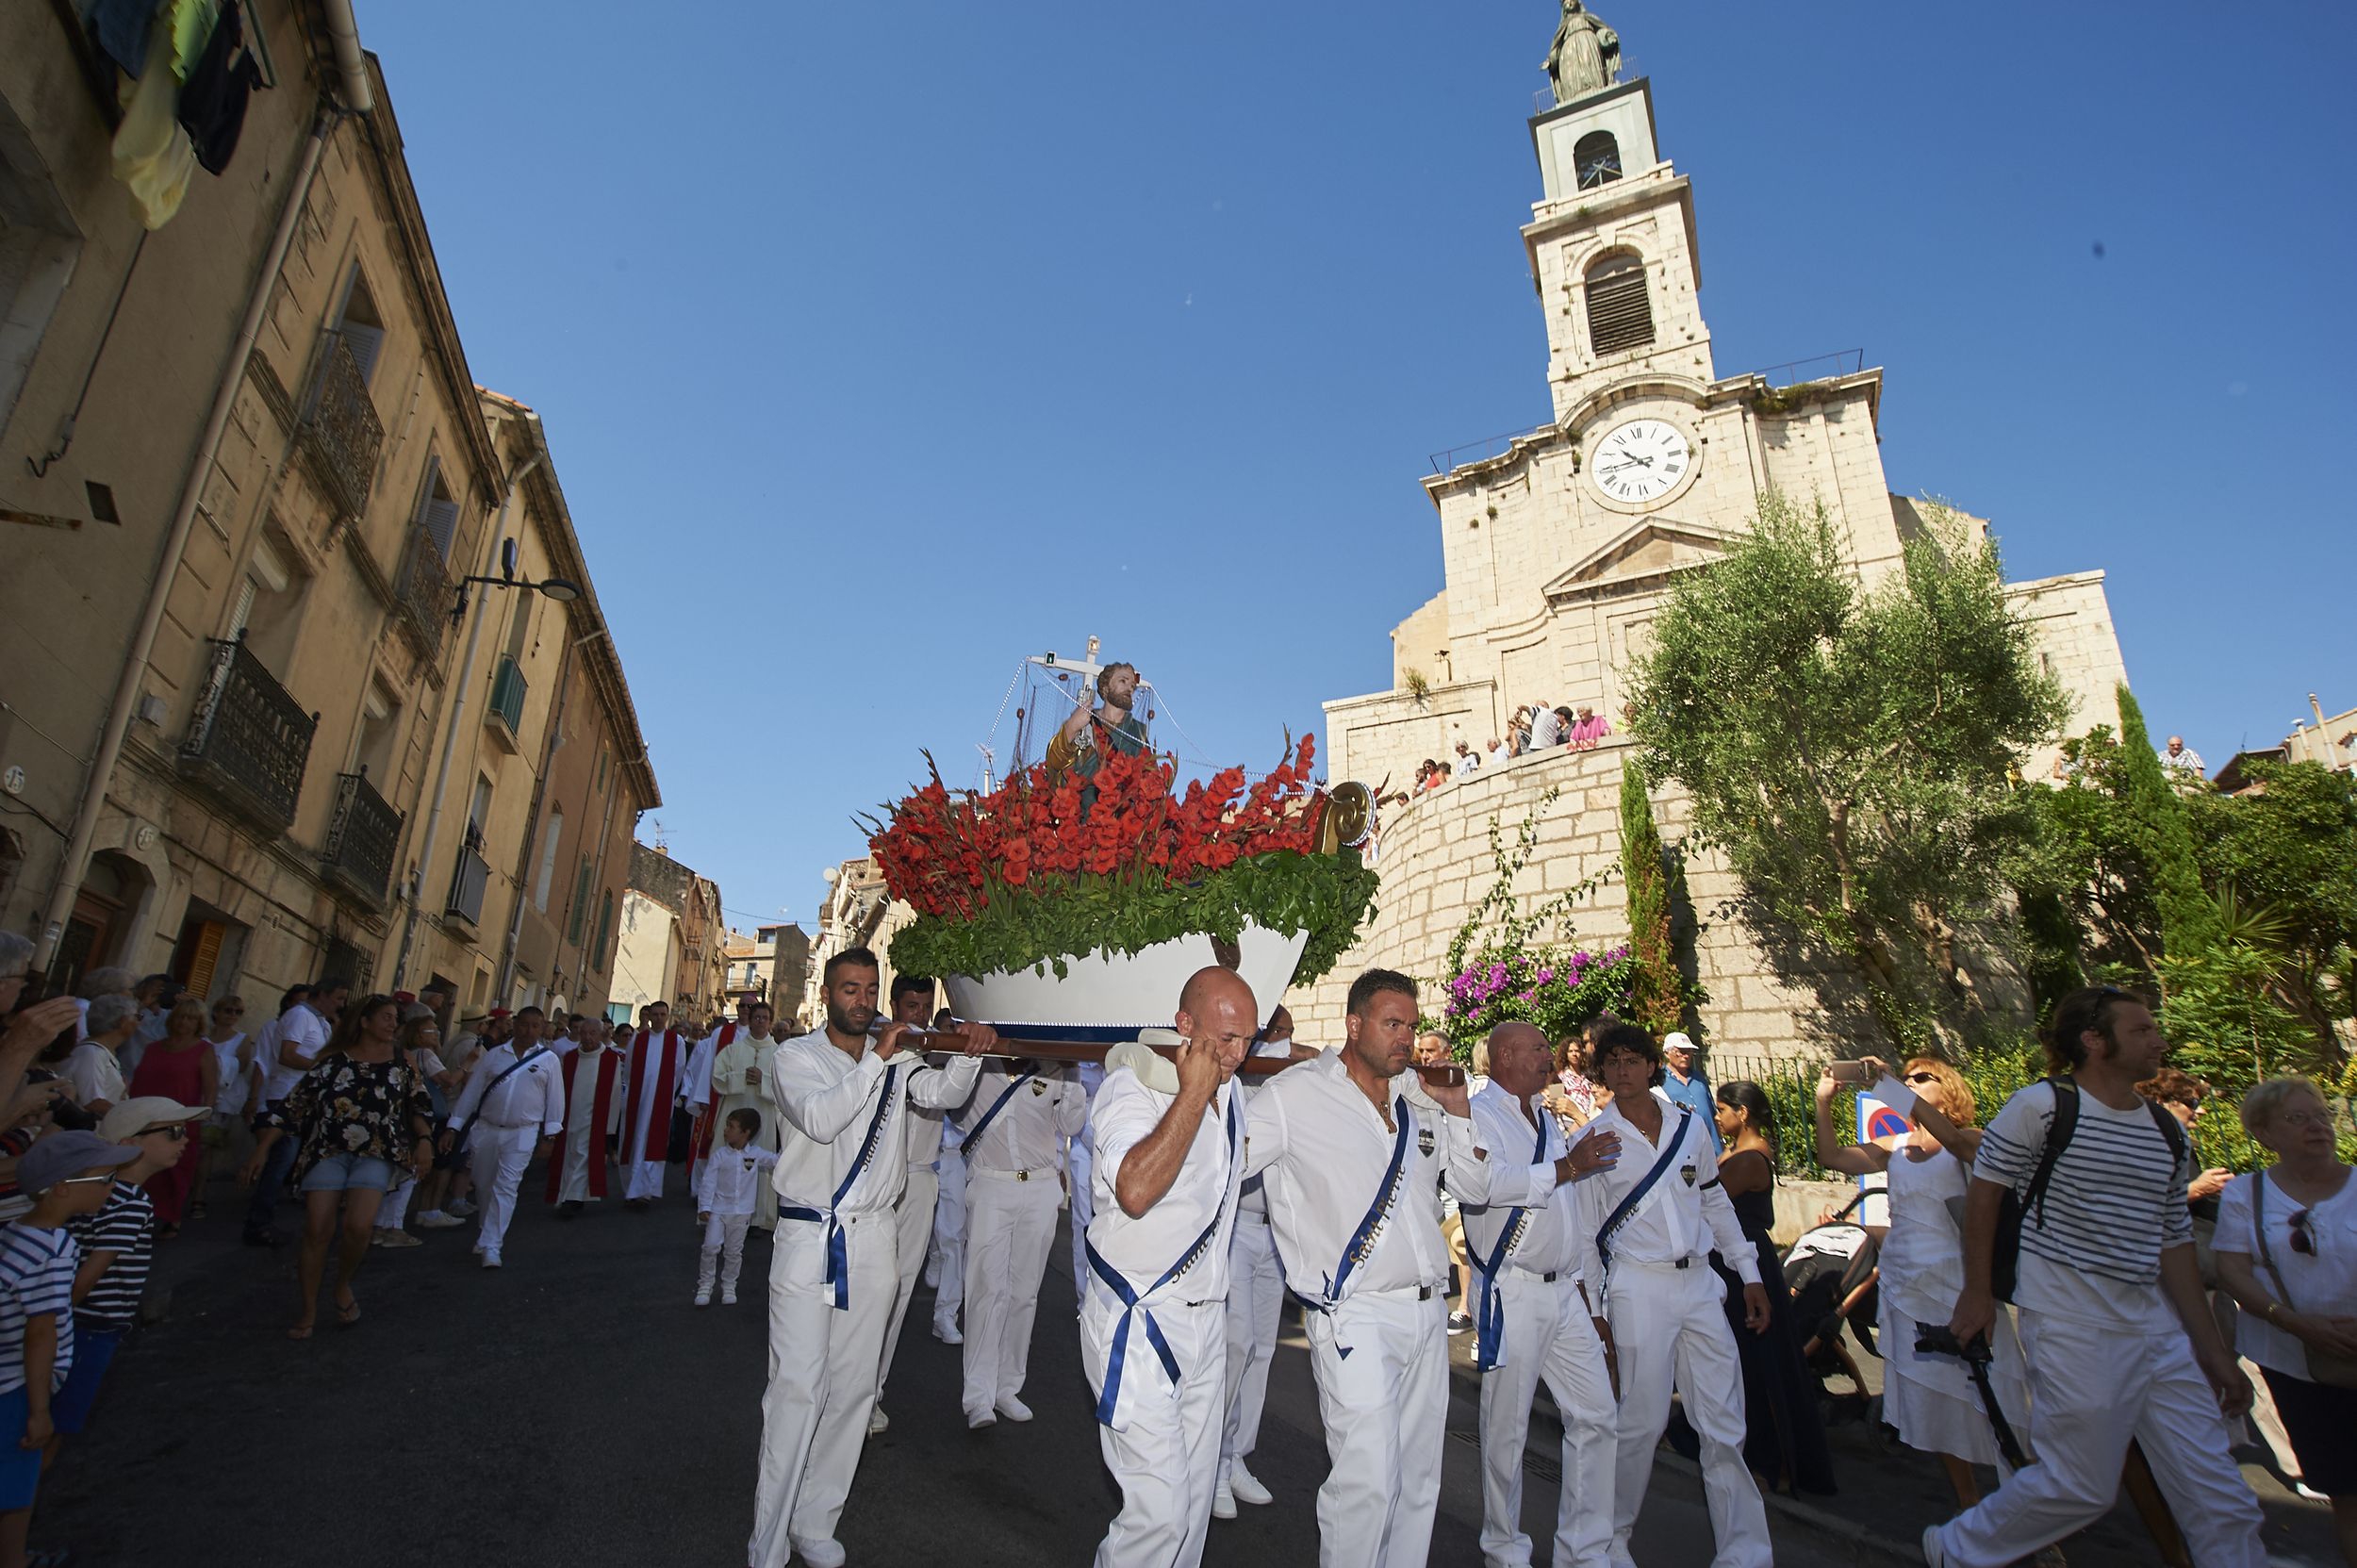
(563, 590)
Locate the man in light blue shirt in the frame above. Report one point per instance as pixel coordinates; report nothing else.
(1684, 1082)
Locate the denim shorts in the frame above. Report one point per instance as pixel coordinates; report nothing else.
(20, 1467)
(94, 1346)
(341, 1173)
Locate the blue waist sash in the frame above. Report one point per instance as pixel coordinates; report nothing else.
(1490, 1312)
(838, 1251)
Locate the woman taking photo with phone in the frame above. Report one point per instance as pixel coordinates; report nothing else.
(1929, 1399)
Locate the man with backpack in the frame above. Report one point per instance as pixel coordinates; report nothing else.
(2080, 1187)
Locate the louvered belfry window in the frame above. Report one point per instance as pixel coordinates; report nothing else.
(1618, 314)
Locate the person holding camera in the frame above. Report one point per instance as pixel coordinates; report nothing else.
(2120, 1339)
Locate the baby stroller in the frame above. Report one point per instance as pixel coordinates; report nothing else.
(1832, 1273)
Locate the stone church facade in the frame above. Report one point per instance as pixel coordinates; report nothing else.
(1558, 547)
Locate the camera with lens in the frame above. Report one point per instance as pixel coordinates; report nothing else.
(1938, 1338)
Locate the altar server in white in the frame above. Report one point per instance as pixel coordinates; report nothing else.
(656, 1056)
(1647, 1227)
(1013, 1125)
(1168, 1161)
(513, 1100)
(1533, 1314)
(1256, 1302)
(835, 1265)
(1352, 1148)
(912, 1005)
(735, 1078)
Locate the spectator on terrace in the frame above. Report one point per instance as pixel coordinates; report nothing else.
(1588, 728)
(1496, 752)
(2183, 761)
(1563, 722)
(1546, 727)
(1467, 758)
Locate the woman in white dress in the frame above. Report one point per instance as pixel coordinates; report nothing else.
(1930, 1399)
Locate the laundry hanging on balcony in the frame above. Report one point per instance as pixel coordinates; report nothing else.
(184, 100)
(219, 84)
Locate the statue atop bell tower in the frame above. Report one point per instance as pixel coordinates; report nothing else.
(1586, 55)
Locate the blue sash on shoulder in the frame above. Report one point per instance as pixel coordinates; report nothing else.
(1361, 1241)
(974, 1133)
(1627, 1206)
(838, 1252)
(1490, 1314)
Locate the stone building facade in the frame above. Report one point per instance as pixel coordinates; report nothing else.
(247, 465)
(1557, 547)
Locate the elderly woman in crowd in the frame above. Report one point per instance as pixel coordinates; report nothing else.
(1930, 1400)
(95, 1067)
(2286, 1247)
(180, 1066)
(361, 1113)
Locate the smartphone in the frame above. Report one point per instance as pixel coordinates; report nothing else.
(1850, 1072)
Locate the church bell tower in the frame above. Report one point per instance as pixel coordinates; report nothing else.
(1612, 250)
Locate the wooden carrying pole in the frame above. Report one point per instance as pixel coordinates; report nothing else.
(1446, 1075)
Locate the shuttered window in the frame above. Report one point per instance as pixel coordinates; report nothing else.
(437, 509)
(1618, 314)
(581, 903)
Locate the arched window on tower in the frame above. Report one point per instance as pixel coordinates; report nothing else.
(1618, 314)
(1596, 160)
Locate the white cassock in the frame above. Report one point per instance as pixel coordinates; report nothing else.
(593, 1114)
(945, 1261)
(509, 1104)
(1013, 1123)
(733, 1079)
(912, 1222)
(1255, 1300)
(833, 1272)
(1533, 1320)
(1160, 1281)
(1356, 1205)
(1669, 1318)
(655, 1064)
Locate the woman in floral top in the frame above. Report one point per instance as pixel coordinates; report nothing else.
(361, 1111)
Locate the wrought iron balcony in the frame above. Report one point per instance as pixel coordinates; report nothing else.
(424, 589)
(362, 839)
(465, 886)
(249, 740)
(341, 431)
(507, 698)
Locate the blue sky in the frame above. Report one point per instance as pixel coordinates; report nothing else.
(882, 344)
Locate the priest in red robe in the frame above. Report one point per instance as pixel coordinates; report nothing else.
(593, 1114)
(656, 1058)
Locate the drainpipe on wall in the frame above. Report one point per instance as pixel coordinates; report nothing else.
(532, 816)
(75, 861)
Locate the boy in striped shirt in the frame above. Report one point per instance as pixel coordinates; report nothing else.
(2121, 1340)
(68, 1173)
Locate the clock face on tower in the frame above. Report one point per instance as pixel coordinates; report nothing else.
(1640, 461)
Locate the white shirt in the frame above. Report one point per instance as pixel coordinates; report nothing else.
(94, 1073)
(1255, 1197)
(1685, 1215)
(1467, 763)
(304, 1027)
(1545, 729)
(731, 1183)
(534, 1096)
(828, 1100)
(1319, 1146)
(1547, 1241)
(1024, 1134)
(231, 1100)
(2323, 1280)
(1204, 1191)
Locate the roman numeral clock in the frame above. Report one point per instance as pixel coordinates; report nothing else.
(1640, 462)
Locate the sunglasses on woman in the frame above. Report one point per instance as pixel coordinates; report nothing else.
(2304, 1239)
(1922, 1077)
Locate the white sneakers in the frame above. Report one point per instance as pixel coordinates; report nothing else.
(818, 1553)
(1245, 1486)
(703, 1297)
(463, 1208)
(877, 1422)
(728, 1298)
(434, 1219)
(947, 1332)
(1223, 1501)
(490, 1259)
(1013, 1409)
(976, 1421)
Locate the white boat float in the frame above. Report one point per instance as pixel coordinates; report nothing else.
(1105, 996)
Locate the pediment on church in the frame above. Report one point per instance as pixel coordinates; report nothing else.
(1645, 552)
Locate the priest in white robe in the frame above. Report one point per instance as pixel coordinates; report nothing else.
(655, 1059)
(736, 1077)
(594, 1080)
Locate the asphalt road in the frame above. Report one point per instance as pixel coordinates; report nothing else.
(575, 1408)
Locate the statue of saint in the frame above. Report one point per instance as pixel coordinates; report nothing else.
(1586, 55)
(1081, 741)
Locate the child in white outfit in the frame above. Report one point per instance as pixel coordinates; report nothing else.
(735, 1179)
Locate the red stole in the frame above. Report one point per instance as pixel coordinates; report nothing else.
(708, 1114)
(609, 1059)
(657, 1097)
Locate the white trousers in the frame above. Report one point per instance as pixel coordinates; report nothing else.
(498, 1156)
(1671, 1328)
(1385, 1406)
(1082, 1163)
(1010, 1226)
(1167, 1455)
(724, 1247)
(394, 1212)
(1549, 1335)
(645, 1179)
(1256, 1302)
(2093, 1389)
(913, 1228)
(945, 1261)
(822, 1380)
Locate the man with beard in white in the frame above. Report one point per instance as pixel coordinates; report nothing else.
(1533, 1316)
(1648, 1226)
(835, 1261)
(912, 1005)
(1169, 1139)
(1352, 1146)
(1256, 1302)
(513, 1103)
(736, 1078)
(1014, 1122)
